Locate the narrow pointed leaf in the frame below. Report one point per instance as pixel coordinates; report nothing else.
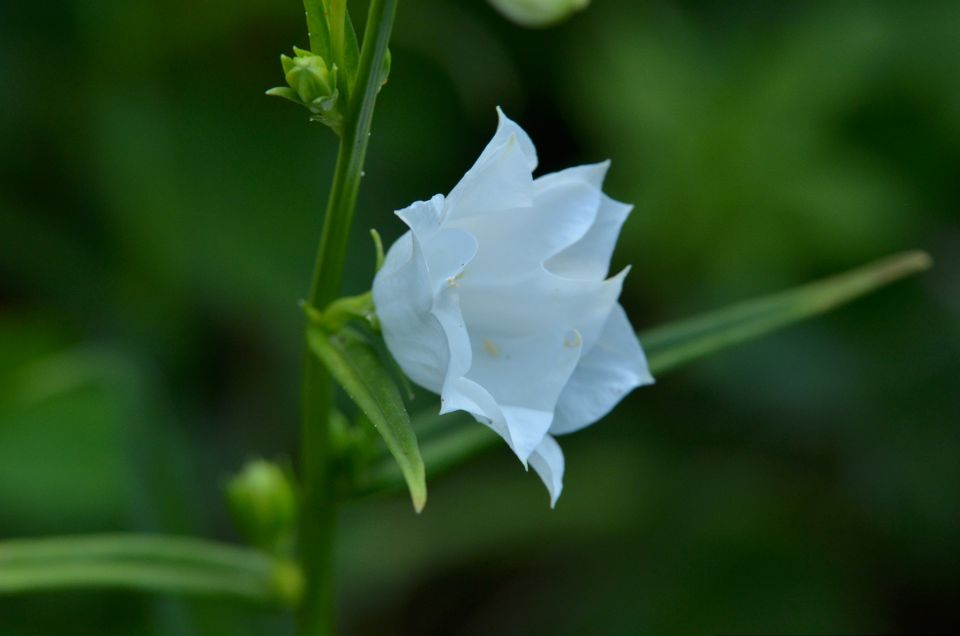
(150, 563)
(351, 52)
(355, 365)
(317, 28)
(336, 18)
(680, 342)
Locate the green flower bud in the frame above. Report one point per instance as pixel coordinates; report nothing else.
(263, 502)
(538, 13)
(309, 76)
(313, 84)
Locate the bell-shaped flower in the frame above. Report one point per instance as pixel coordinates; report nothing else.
(499, 300)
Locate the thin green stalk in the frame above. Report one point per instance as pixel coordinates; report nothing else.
(318, 515)
(328, 269)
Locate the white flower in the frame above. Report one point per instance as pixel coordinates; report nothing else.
(498, 299)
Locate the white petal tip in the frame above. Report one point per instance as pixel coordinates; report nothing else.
(598, 172)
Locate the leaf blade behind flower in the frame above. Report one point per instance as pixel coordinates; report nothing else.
(355, 365)
(677, 343)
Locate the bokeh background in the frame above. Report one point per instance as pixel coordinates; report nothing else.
(158, 218)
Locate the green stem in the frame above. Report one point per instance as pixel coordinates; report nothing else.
(328, 268)
(318, 516)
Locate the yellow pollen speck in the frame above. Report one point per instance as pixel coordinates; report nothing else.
(491, 348)
(573, 339)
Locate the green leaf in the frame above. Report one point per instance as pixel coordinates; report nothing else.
(317, 28)
(680, 342)
(447, 442)
(378, 249)
(351, 54)
(176, 565)
(354, 364)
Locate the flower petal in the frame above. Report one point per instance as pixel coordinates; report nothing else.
(514, 241)
(501, 179)
(403, 296)
(505, 128)
(424, 218)
(463, 394)
(525, 376)
(606, 373)
(446, 311)
(539, 302)
(592, 173)
(547, 460)
(447, 251)
(590, 256)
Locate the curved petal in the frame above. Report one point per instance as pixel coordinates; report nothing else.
(424, 218)
(525, 376)
(592, 173)
(501, 179)
(564, 208)
(540, 302)
(590, 256)
(608, 372)
(462, 394)
(446, 311)
(403, 296)
(505, 128)
(547, 460)
(447, 251)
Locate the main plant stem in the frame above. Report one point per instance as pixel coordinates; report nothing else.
(318, 464)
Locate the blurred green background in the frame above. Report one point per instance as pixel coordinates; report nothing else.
(158, 218)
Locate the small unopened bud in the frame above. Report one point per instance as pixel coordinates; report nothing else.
(263, 502)
(308, 75)
(313, 84)
(538, 13)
